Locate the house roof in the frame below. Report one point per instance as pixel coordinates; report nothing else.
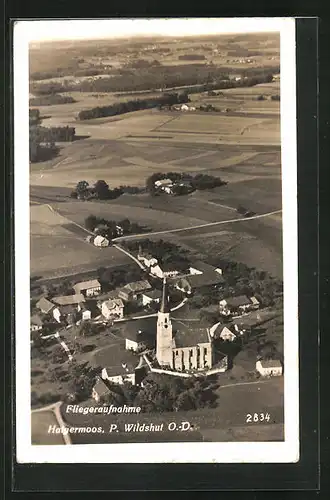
(69, 299)
(240, 300)
(206, 279)
(68, 309)
(202, 266)
(113, 358)
(153, 294)
(85, 285)
(36, 320)
(164, 182)
(45, 305)
(188, 337)
(217, 329)
(138, 286)
(270, 363)
(100, 387)
(113, 303)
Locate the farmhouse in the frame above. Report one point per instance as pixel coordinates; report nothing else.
(162, 183)
(65, 300)
(36, 323)
(113, 309)
(100, 241)
(66, 313)
(44, 305)
(86, 313)
(269, 368)
(201, 275)
(118, 365)
(88, 288)
(136, 288)
(164, 270)
(99, 390)
(146, 258)
(135, 340)
(238, 305)
(151, 297)
(220, 331)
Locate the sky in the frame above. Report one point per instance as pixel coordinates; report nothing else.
(37, 31)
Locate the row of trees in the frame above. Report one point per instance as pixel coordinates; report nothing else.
(164, 394)
(114, 278)
(110, 228)
(155, 77)
(52, 134)
(192, 57)
(100, 190)
(48, 100)
(119, 108)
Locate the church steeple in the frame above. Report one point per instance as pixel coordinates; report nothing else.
(164, 307)
(164, 340)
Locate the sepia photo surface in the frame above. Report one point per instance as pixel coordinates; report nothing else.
(156, 241)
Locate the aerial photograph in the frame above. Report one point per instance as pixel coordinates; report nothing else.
(156, 260)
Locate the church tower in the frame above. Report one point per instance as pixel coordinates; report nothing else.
(164, 342)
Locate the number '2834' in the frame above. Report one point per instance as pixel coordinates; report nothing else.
(257, 417)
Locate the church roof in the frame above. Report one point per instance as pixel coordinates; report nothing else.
(189, 337)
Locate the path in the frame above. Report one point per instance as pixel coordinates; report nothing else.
(55, 409)
(208, 224)
(60, 341)
(130, 256)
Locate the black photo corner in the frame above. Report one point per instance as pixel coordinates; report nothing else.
(311, 471)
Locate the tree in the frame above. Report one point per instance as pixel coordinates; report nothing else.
(82, 379)
(87, 328)
(101, 189)
(91, 222)
(126, 225)
(82, 187)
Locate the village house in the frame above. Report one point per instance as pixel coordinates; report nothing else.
(100, 241)
(86, 313)
(136, 288)
(66, 314)
(223, 332)
(99, 390)
(67, 307)
(269, 368)
(238, 305)
(113, 309)
(119, 365)
(44, 305)
(36, 323)
(164, 270)
(146, 258)
(135, 340)
(201, 275)
(151, 297)
(88, 288)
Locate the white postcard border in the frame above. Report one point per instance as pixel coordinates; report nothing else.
(233, 452)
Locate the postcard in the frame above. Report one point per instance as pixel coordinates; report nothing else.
(156, 241)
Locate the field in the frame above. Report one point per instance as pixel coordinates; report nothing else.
(50, 231)
(127, 149)
(40, 422)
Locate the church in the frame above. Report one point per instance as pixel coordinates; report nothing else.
(179, 347)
